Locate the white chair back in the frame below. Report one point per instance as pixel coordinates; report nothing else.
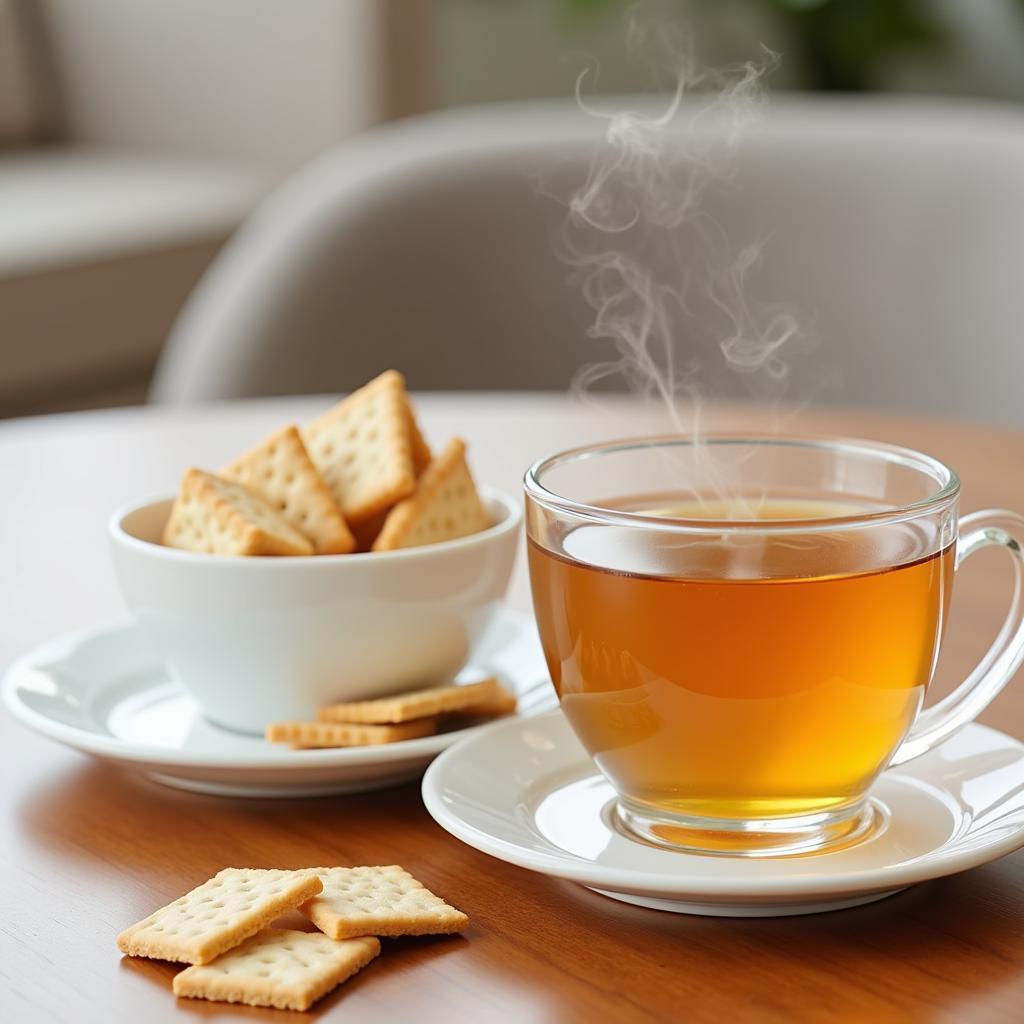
(896, 228)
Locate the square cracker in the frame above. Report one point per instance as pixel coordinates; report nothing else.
(222, 517)
(417, 704)
(312, 735)
(501, 703)
(444, 506)
(278, 967)
(281, 472)
(378, 901)
(363, 448)
(217, 915)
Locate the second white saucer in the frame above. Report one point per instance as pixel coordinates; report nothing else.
(526, 792)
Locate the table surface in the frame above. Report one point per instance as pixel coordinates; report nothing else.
(87, 848)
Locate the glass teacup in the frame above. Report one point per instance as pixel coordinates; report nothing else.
(742, 630)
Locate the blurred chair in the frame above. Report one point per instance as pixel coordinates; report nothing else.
(897, 227)
(134, 137)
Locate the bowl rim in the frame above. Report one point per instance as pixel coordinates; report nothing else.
(512, 515)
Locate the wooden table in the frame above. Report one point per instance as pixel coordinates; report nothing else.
(88, 848)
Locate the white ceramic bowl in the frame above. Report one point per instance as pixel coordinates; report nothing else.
(257, 640)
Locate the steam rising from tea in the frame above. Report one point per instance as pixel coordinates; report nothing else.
(670, 291)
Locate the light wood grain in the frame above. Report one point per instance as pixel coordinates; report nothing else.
(86, 849)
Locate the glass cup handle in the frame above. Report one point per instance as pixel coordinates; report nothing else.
(978, 530)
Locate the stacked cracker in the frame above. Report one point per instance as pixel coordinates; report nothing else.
(220, 928)
(359, 478)
(406, 716)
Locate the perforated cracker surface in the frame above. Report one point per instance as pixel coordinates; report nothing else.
(363, 448)
(222, 517)
(281, 472)
(278, 967)
(312, 735)
(444, 506)
(379, 901)
(219, 914)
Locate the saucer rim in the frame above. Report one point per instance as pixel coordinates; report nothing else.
(936, 863)
(112, 748)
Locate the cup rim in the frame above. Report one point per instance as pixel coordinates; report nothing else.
(509, 522)
(943, 475)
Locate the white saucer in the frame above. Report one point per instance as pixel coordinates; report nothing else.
(103, 692)
(525, 792)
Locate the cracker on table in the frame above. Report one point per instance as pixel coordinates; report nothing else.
(313, 735)
(378, 901)
(278, 967)
(217, 915)
(281, 472)
(223, 517)
(363, 448)
(405, 707)
(445, 505)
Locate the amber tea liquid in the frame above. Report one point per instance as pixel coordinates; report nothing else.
(741, 677)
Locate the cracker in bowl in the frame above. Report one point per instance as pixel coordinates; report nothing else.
(361, 477)
(281, 472)
(222, 517)
(363, 448)
(445, 505)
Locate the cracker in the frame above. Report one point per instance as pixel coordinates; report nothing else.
(311, 735)
(217, 915)
(366, 532)
(287, 969)
(363, 449)
(281, 472)
(222, 517)
(444, 506)
(378, 901)
(503, 702)
(418, 704)
(421, 453)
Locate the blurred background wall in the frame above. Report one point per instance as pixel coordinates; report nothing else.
(135, 135)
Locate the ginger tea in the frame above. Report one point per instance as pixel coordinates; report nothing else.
(740, 677)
